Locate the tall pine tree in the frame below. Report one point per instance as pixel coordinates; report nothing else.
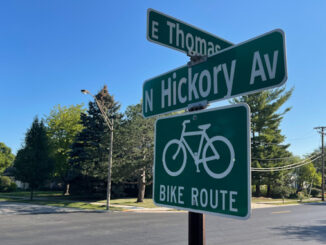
(267, 142)
(134, 151)
(90, 151)
(34, 163)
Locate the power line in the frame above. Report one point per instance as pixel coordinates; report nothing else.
(287, 167)
(299, 161)
(272, 159)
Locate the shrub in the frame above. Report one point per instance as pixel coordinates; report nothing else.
(315, 192)
(6, 184)
(281, 191)
(301, 196)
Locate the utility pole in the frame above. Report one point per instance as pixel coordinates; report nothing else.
(321, 131)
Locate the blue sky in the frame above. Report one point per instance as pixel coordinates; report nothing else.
(49, 50)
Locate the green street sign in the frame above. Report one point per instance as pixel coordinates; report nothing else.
(170, 32)
(202, 162)
(242, 69)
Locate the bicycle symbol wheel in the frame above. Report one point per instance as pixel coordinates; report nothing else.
(170, 148)
(229, 146)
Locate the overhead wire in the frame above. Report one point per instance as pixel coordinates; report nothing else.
(288, 167)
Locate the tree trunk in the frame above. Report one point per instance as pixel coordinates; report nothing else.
(67, 191)
(141, 186)
(257, 193)
(268, 190)
(32, 190)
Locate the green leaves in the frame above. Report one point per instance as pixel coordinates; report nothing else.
(6, 157)
(64, 124)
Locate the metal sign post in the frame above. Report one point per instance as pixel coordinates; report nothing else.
(196, 221)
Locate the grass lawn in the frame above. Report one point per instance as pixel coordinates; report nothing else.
(148, 202)
(55, 198)
(52, 198)
(279, 201)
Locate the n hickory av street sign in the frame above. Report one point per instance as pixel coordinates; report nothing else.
(249, 67)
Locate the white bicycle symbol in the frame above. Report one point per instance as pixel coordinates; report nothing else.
(182, 145)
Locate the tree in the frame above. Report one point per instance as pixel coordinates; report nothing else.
(318, 164)
(134, 151)
(90, 151)
(282, 186)
(64, 124)
(34, 163)
(6, 157)
(266, 136)
(307, 176)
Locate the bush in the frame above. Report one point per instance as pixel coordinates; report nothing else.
(281, 191)
(6, 184)
(315, 192)
(302, 195)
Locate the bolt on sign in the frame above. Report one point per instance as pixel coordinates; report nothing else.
(176, 34)
(203, 164)
(249, 67)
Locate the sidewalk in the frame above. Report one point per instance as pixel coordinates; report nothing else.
(254, 205)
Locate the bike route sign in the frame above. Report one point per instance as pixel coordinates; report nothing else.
(242, 69)
(202, 161)
(170, 32)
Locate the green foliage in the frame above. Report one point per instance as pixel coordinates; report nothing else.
(34, 163)
(6, 157)
(282, 186)
(315, 192)
(90, 151)
(6, 184)
(301, 195)
(266, 135)
(318, 163)
(135, 143)
(64, 124)
(134, 149)
(308, 175)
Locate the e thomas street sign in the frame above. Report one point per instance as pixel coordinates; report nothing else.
(203, 164)
(249, 67)
(170, 32)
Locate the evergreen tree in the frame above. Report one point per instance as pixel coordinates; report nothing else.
(90, 151)
(135, 149)
(266, 137)
(34, 163)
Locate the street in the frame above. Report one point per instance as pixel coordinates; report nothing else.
(22, 225)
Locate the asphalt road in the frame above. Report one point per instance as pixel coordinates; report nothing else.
(34, 225)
